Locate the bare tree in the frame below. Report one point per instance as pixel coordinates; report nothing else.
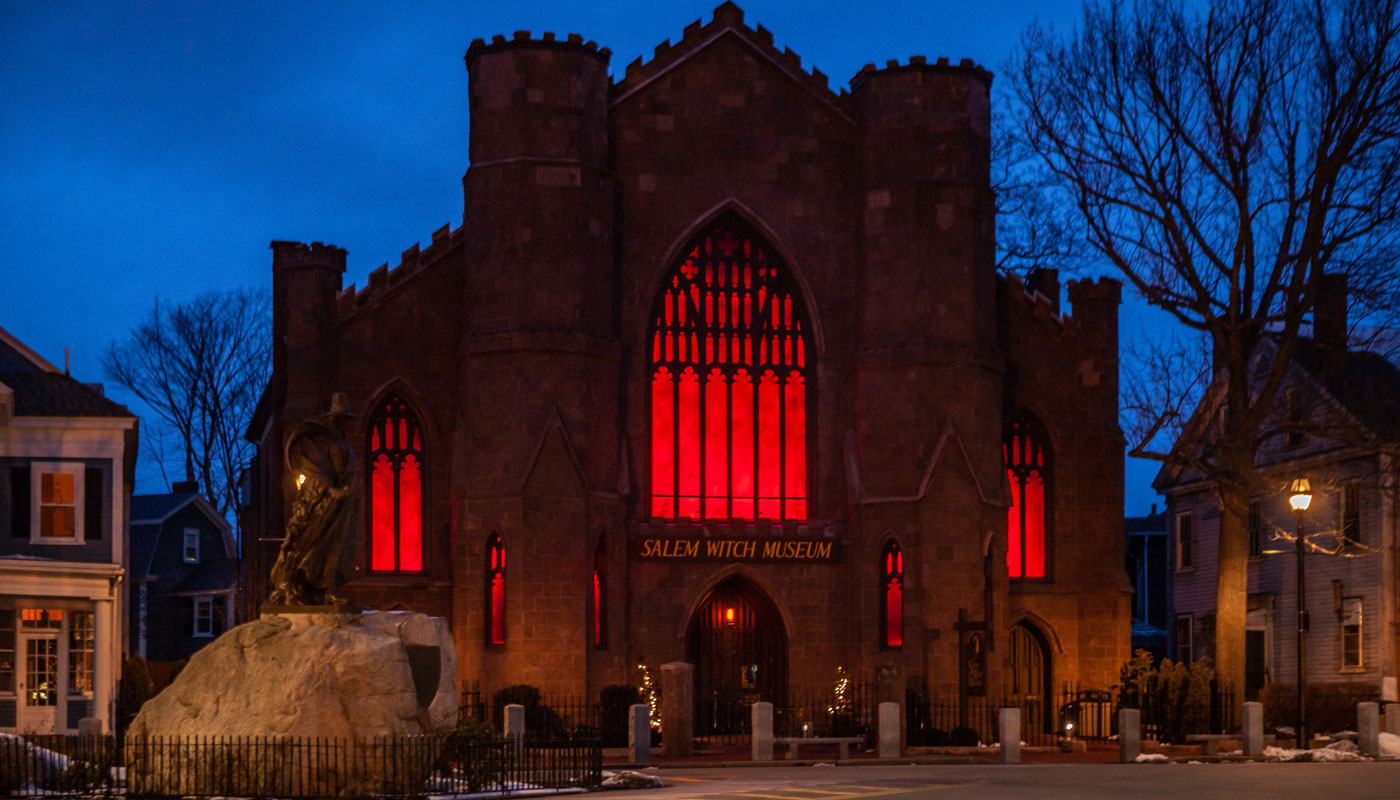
(200, 367)
(1222, 160)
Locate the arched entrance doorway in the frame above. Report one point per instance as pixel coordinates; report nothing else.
(1028, 681)
(738, 645)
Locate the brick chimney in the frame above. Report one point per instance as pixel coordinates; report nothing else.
(1330, 321)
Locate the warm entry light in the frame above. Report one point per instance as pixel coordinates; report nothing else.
(1300, 496)
(300, 480)
(729, 615)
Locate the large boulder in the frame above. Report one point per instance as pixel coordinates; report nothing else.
(352, 682)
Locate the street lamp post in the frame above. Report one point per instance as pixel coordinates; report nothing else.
(1300, 497)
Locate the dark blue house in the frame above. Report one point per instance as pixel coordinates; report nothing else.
(184, 570)
(1148, 569)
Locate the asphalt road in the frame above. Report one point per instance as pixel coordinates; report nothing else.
(1273, 781)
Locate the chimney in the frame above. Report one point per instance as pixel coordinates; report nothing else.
(1330, 321)
(182, 487)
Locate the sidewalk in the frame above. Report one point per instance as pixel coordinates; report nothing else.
(738, 755)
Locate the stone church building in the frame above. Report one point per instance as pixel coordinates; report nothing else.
(719, 368)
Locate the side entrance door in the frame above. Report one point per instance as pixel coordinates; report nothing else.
(39, 689)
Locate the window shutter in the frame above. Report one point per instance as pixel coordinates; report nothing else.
(19, 502)
(92, 504)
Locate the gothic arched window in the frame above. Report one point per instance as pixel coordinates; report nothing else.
(600, 597)
(729, 383)
(1028, 469)
(395, 456)
(892, 596)
(495, 590)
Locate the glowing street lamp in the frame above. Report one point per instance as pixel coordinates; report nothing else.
(1300, 497)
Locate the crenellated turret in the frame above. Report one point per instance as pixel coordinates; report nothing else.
(305, 282)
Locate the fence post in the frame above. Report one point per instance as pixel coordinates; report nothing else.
(1009, 720)
(639, 733)
(1129, 735)
(1253, 743)
(889, 730)
(678, 709)
(761, 737)
(1368, 728)
(515, 727)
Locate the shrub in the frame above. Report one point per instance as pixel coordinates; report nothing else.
(133, 690)
(1331, 706)
(963, 737)
(541, 721)
(617, 701)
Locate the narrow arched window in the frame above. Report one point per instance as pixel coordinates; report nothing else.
(892, 596)
(495, 591)
(1028, 470)
(395, 515)
(600, 597)
(730, 380)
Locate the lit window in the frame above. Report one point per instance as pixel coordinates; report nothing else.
(204, 616)
(892, 596)
(729, 383)
(80, 648)
(396, 489)
(191, 545)
(1351, 633)
(495, 591)
(600, 597)
(1028, 468)
(57, 503)
(1185, 541)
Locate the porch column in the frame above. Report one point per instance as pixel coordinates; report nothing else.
(104, 656)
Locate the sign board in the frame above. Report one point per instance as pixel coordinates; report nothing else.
(704, 548)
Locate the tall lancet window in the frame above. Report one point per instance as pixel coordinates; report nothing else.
(395, 511)
(730, 383)
(495, 590)
(1028, 469)
(892, 596)
(600, 596)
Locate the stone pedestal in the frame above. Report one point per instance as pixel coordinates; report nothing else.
(761, 731)
(515, 727)
(639, 733)
(1129, 735)
(677, 709)
(889, 731)
(1368, 728)
(1253, 742)
(1009, 720)
(347, 679)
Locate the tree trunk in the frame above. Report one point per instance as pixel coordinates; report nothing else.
(1232, 587)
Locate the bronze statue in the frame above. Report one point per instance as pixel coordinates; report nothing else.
(318, 553)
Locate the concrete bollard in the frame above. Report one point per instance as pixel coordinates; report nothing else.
(639, 734)
(1129, 735)
(1253, 743)
(761, 736)
(515, 727)
(889, 731)
(1368, 728)
(1392, 717)
(677, 709)
(1009, 720)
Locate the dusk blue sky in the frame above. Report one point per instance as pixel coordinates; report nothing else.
(155, 148)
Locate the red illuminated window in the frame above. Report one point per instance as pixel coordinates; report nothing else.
(1028, 471)
(395, 489)
(495, 591)
(892, 596)
(600, 597)
(730, 380)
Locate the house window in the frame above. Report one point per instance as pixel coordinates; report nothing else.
(1185, 649)
(396, 489)
(57, 503)
(1297, 414)
(729, 383)
(892, 596)
(600, 597)
(1185, 541)
(1351, 514)
(80, 648)
(495, 591)
(1028, 469)
(1256, 529)
(1351, 634)
(191, 545)
(204, 616)
(7, 651)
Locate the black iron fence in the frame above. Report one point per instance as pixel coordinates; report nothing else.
(1170, 711)
(937, 720)
(291, 767)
